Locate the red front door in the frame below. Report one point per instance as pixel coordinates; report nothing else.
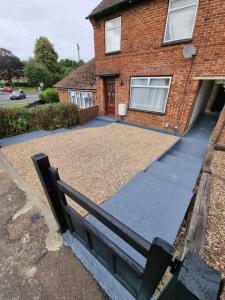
(110, 96)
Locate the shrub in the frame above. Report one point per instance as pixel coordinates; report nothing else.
(50, 116)
(49, 96)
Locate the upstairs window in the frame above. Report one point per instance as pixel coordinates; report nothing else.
(180, 20)
(113, 35)
(81, 99)
(149, 93)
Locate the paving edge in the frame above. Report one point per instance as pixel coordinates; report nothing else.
(54, 240)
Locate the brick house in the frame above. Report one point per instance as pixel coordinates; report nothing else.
(79, 86)
(164, 59)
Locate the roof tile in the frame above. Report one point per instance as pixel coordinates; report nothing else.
(82, 78)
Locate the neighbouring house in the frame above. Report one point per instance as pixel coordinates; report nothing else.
(79, 86)
(164, 59)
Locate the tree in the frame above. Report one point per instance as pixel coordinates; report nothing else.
(37, 73)
(10, 65)
(66, 65)
(45, 54)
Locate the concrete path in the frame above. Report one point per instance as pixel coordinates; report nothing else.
(155, 201)
(28, 269)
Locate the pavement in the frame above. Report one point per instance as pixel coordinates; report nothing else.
(34, 264)
(30, 98)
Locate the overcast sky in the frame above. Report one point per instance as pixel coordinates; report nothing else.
(61, 21)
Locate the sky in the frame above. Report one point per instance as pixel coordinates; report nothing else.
(61, 21)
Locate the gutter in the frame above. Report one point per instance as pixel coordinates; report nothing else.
(113, 8)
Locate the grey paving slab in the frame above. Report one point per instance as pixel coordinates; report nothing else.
(149, 206)
(173, 175)
(59, 130)
(186, 156)
(23, 137)
(196, 148)
(107, 119)
(93, 124)
(181, 163)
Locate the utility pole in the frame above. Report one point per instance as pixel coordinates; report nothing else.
(78, 52)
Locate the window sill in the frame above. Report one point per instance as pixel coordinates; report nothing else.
(147, 111)
(177, 42)
(112, 53)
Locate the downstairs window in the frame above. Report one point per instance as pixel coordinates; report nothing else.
(81, 99)
(149, 93)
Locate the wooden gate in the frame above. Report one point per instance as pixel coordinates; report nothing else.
(192, 278)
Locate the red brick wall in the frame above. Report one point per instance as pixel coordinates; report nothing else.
(142, 54)
(88, 114)
(63, 95)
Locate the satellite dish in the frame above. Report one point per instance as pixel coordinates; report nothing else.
(189, 51)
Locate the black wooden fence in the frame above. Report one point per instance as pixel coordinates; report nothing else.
(191, 278)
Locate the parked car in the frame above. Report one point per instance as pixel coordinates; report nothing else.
(8, 89)
(17, 95)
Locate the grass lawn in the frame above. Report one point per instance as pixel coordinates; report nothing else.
(27, 89)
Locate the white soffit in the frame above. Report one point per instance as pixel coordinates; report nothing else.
(209, 78)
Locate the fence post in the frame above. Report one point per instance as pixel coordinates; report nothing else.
(159, 258)
(193, 280)
(42, 166)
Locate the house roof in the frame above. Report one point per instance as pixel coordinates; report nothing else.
(82, 78)
(108, 6)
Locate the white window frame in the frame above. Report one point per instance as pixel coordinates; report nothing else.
(82, 98)
(167, 19)
(148, 86)
(117, 26)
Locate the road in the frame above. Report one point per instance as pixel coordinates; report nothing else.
(4, 99)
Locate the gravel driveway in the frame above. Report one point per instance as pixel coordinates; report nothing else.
(214, 248)
(95, 161)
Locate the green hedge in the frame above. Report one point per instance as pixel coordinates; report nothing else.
(49, 96)
(16, 120)
(21, 84)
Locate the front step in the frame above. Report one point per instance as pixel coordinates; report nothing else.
(107, 119)
(195, 148)
(173, 175)
(186, 156)
(181, 163)
(148, 205)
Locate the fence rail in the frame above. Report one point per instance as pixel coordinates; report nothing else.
(140, 282)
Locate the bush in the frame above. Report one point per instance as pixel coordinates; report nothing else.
(16, 120)
(49, 96)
